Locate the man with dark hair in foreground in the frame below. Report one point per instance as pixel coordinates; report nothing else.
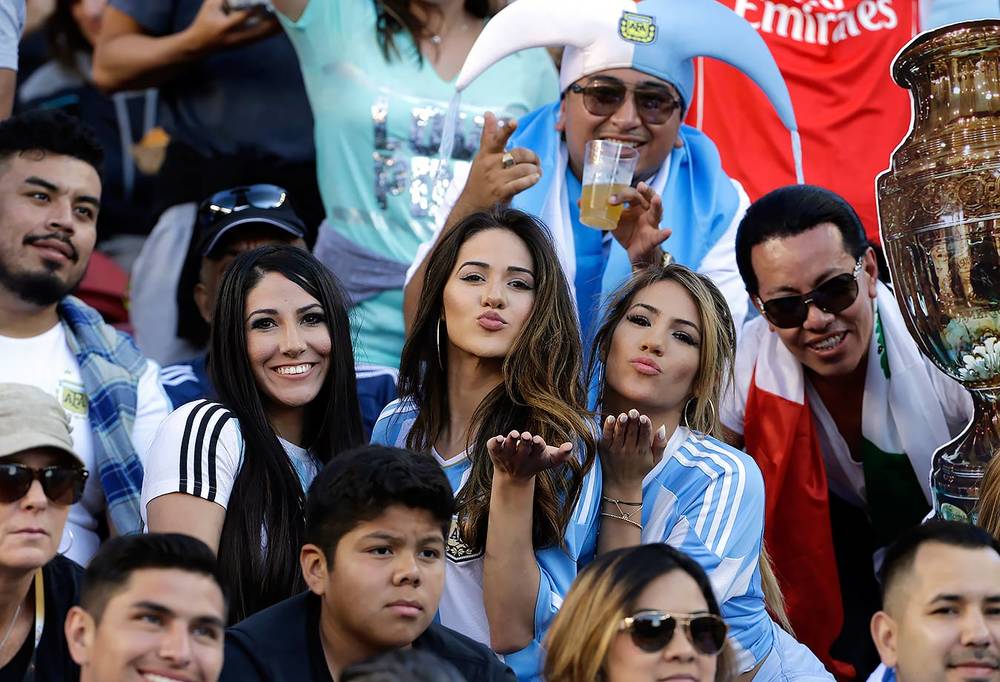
(152, 608)
(376, 523)
(941, 620)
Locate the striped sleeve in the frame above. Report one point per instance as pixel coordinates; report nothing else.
(718, 521)
(197, 451)
(722, 526)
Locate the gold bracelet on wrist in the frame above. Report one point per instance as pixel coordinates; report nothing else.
(616, 502)
(624, 517)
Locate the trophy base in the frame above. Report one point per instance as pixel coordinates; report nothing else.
(959, 465)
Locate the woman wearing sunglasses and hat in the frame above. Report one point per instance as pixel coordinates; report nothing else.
(664, 352)
(638, 615)
(40, 477)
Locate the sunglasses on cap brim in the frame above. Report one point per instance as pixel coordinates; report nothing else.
(238, 198)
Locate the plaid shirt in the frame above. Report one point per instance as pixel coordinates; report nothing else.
(110, 365)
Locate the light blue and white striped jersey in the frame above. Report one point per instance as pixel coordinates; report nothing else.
(707, 500)
(462, 607)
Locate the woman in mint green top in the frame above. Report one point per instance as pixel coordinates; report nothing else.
(379, 97)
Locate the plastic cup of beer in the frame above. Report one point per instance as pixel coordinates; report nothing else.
(607, 169)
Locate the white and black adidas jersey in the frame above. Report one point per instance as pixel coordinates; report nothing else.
(199, 451)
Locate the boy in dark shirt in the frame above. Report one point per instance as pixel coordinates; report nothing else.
(376, 523)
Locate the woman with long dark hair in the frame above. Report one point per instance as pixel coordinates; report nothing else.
(644, 613)
(665, 350)
(380, 77)
(490, 383)
(234, 473)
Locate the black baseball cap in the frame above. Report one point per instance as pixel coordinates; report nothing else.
(238, 208)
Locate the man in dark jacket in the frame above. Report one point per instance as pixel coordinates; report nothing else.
(376, 523)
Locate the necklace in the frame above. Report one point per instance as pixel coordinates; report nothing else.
(436, 38)
(10, 628)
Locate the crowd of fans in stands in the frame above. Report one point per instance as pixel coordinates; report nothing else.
(309, 369)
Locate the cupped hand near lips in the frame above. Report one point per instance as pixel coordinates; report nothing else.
(521, 456)
(629, 449)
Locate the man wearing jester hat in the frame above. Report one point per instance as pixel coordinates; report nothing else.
(627, 74)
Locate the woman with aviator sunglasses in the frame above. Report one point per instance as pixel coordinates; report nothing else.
(40, 477)
(637, 615)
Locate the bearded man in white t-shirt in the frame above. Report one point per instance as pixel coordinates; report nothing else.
(50, 196)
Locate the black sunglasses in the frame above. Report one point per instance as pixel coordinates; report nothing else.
(239, 198)
(651, 631)
(604, 97)
(61, 484)
(832, 296)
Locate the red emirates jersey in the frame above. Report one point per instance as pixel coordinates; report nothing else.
(835, 56)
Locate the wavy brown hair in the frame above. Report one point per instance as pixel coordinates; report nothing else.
(542, 390)
(396, 16)
(604, 594)
(718, 338)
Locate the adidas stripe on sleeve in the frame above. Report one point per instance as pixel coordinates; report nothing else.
(707, 500)
(197, 451)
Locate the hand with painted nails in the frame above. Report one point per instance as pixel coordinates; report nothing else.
(638, 229)
(521, 456)
(629, 448)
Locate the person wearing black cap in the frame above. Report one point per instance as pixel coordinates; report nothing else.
(231, 222)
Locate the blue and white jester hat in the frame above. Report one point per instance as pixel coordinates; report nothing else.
(658, 37)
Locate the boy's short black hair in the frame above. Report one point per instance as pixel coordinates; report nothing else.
(360, 484)
(788, 211)
(120, 557)
(50, 131)
(899, 558)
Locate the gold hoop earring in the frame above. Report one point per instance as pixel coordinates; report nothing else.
(684, 412)
(437, 338)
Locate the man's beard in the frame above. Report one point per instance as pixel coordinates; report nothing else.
(40, 288)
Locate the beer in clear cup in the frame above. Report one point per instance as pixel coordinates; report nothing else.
(607, 169)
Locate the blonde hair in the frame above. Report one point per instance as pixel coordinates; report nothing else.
(774, 600)
(718, 338)
(602, 595)
(988, 509)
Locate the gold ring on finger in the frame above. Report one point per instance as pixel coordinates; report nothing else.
(507, 160)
